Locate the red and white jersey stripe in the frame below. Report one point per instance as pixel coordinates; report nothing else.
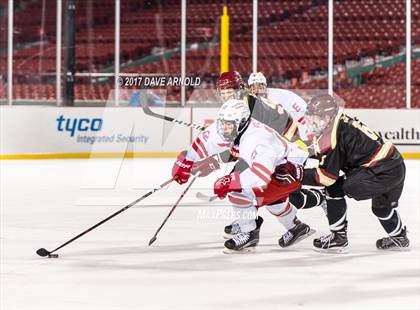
(262, 172)
(263, 149)
(260, 147)
(200, 148)
(207, 143)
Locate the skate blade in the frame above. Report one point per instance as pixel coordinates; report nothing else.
(243, 251)
(395, 249)
(341, 250)
(303, 237)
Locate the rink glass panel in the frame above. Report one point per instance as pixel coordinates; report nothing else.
(369, 53)
(150, 45)
(292, 47)
(240, 37)
(34, 50)
(95, 50)
(293, 43)
(3, 55)
(203, 49)
(415, 62)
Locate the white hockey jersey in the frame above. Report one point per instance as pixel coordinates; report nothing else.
(290, 101)
(260, 147)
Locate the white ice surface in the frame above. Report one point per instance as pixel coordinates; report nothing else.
(112, 267)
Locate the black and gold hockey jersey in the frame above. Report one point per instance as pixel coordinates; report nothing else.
(346, 145)
(272, 115)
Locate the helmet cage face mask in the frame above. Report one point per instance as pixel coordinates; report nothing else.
(320, 113)
(317, 123)
(228, 130)
(258, 89)
(233, 117)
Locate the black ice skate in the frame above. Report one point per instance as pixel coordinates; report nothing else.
(336, 242)
(244, 242)
(399, 242)
(299, 232)
(234, 229)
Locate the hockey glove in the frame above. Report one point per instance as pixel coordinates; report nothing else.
(181, 170)
(205, 166)
(288, 173)
(226, 184)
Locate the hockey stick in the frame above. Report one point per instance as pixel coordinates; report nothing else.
(206, 198)
(153, 239)
(149, 112)
(43, 252)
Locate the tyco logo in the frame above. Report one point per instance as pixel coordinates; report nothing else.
(78, 124)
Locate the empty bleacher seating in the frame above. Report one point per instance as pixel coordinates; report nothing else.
(292, 41)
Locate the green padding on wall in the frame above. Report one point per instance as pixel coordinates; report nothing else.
(390, 61)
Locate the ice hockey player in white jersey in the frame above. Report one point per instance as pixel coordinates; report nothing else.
(278, 98)
(274, 169)
(295, 107)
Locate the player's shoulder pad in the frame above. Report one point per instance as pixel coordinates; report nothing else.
(268, 103)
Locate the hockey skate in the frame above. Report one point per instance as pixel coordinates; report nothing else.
(336, 242)
(244, 242)
(234, 228)
(299, 232)
(396, 243)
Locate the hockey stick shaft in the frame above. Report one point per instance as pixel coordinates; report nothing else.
(206, 198)
(107, 219)
(149, 112)
(153, 239)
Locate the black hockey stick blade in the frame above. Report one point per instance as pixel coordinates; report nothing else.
(43, 252)
(147, 110)
(152, 240)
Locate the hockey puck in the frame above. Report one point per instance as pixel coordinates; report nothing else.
(53, 256)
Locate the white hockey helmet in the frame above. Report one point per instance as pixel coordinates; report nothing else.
(257, 84)
(257, 77)
(233, 116)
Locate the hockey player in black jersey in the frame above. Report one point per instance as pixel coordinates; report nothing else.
(372, 169)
